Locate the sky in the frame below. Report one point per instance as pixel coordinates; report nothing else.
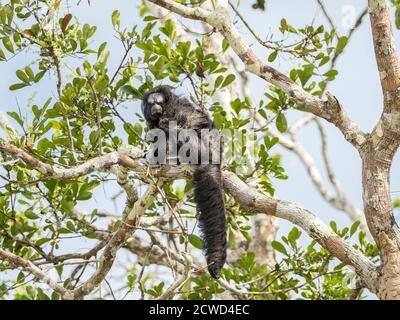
(357, 87)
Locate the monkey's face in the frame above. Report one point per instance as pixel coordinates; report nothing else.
(155, 103)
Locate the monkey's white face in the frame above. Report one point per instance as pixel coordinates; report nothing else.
(156, 101)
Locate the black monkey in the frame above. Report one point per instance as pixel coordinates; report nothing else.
(160, 106)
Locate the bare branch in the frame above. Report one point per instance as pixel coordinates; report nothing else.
(385, 49)
(265, 44)
(171, 291)
(195, 13)
(326, 14)
(97, 164)
(30, 267)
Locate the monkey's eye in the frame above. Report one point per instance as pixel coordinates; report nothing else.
(156, 98)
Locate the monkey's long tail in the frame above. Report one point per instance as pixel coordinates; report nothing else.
(209, 199)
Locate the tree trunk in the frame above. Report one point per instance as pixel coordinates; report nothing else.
(378, 210)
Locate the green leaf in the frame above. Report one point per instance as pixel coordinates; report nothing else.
(64, 231)
(29, 73)
(42, 241)
(101, 49)
(59, 270)
(169, 29)
(22, 76)
(342, 42)
(281, 123)
(20, 277)
(225, 45)
(279, 247)
(2, 55)
(195, 241)
(83, 44)
(228, 80)
(31, 215)
(129, 90)
(55, 296)
(397, 17)
(39, 76)
(84, 195)
(272, 56)
(41, 295)
(18, 86)
(354, 227)
(333, 226)
(150, 18)
(117, 225)
(218, 82)
(294, 234)
(8, 44)
(70, 226)
(115, 18)
(284, 25)
(331, 73)
(324, 60)
(16, 117)
(306, 74)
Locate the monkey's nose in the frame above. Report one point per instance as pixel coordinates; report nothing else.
(156, 110)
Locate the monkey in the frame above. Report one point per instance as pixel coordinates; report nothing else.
(160, 106)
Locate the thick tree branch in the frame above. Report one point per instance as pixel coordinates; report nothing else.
(35, 270)
(125, 157)
(386, 135)
(195, 13)
(384, 44)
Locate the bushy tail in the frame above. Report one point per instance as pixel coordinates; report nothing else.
(208, 195)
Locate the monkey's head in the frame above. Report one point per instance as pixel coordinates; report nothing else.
(154, 102)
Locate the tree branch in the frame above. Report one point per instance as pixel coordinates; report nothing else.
(195, 13)
(101, 163)
(32, 268)
(388, 128)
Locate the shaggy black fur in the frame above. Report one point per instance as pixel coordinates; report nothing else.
(159, 107)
